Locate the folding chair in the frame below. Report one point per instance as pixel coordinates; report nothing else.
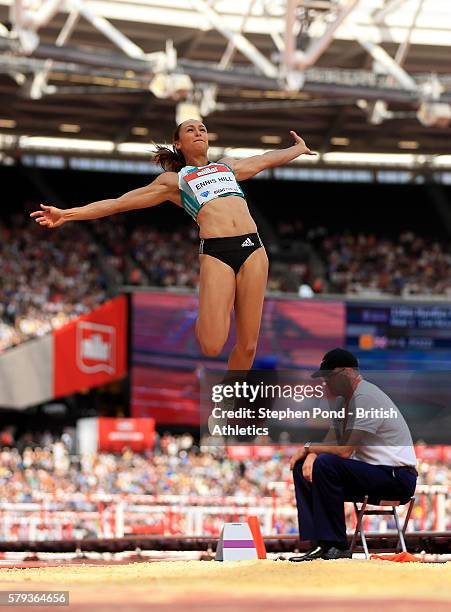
(362, 511)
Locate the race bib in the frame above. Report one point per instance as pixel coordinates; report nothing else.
(211, 181)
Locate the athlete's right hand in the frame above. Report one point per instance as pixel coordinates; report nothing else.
(300, 454)
(49, 216)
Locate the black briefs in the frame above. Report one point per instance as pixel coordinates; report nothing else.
(233, 251)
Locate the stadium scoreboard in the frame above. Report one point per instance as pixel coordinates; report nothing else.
(400, 326)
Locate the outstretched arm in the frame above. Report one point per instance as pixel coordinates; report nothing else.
(160, 190)
(246, 168)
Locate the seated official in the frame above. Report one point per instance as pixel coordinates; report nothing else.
(369, 452)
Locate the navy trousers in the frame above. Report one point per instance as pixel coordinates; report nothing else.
(335, 480)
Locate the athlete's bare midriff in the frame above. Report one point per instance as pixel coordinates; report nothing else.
(224, 217)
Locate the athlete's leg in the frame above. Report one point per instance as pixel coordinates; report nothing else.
(250, 293)
(216, 297)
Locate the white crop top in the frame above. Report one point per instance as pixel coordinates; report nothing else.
(201, 184)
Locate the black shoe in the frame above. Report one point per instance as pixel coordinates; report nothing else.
(314, 553)
(319, 552)
(336, 553)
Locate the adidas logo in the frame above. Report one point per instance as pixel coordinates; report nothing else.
(247, 242)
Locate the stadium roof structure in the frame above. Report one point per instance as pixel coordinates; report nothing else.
(356, 76)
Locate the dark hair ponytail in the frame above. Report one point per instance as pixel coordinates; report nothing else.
(171, 160)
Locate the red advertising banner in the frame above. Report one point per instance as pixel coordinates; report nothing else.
(240, 452)
(429, 454)
(116, 434)
(446, 455)
(434, 454)
(91, 350)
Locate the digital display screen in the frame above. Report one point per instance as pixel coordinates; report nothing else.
(166, 360)
(167, 363)
(403, 335)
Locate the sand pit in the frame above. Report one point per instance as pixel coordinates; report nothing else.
(246, 585)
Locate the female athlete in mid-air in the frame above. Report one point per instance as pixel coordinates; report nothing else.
(233, 261)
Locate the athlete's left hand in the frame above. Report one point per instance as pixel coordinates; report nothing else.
(299, 141)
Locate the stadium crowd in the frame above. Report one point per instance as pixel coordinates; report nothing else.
(43, 468)
(372, 266)
(347, 263)
(45, 281)
(148, 256)
(40, 465)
